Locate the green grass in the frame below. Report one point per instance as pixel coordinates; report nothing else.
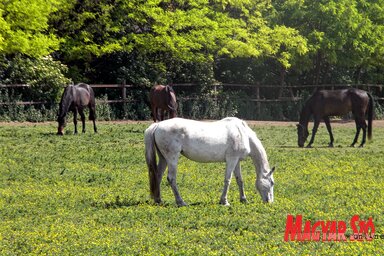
(87, 194)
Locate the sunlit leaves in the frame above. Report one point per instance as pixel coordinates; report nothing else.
(197, 30)
(344, 33)
(24, 27)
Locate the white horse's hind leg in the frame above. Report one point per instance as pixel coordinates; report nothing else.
(231, 164)
(172, 170)
(240, 182)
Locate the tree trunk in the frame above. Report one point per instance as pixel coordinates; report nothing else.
(318, 60)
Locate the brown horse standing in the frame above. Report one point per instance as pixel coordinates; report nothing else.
(75, 98)
(163, 98)
(325, 103)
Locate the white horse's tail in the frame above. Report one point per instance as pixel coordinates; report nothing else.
(150, 158)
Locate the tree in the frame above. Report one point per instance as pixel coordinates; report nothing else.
(343, 36)
(24, 27)
(172, 32)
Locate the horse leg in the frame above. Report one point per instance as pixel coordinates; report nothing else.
(328, 124)
(162, 114)
(154, 113)
(360, 124)
(314, 130)
(81, 112)
(157, 114)
(231, 164)
(92, 116)
(357, 133)
(240, 183)
(94, 126)
(172, 170)
(75, 119)
(364, 127)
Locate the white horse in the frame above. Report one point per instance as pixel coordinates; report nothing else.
(228, 140)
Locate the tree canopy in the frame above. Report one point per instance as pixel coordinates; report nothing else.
(24, 27)
(103, 40)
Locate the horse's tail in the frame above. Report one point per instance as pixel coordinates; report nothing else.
(370, 116)
(171, 99)
(92, 104)
(150, 158)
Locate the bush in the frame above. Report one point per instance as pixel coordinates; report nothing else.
(45, 77)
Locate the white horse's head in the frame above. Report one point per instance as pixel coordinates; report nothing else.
(264, 185)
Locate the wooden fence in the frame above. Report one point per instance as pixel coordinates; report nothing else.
(377, 90)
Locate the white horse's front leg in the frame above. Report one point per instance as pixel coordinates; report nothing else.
(172, 169)
(240, 183)
(231, 164)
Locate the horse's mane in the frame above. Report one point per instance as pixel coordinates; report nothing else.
(65, 102)
(306, 112)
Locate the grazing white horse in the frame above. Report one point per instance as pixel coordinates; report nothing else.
(228, 140)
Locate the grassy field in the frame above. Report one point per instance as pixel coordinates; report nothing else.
(87, 194)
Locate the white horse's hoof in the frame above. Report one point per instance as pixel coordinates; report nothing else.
(224, 202)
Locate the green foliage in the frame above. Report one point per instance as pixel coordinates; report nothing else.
(344, 34)
(88, 194)
(172, 41)
(24, 27)
(45, 77)
(103, 109)
(161, 33)
(212, 105)
(11, 111)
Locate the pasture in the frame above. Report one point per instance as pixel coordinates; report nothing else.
(88, 194)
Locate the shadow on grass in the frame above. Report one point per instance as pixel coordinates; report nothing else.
(48, 134)
(293, 147)
(118, 203)
(129, 202)
(305, 148)
(54, 133)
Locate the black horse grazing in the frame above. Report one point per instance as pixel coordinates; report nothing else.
(325, 103)
(75, 98)
(162, 98)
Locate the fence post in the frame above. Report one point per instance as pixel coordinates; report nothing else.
(123, 90)
(258, 104)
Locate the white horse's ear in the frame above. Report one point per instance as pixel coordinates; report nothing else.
(272, 170)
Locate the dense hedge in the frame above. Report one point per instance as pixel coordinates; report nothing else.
(196, 105)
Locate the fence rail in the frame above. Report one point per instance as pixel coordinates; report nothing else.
(123, 87)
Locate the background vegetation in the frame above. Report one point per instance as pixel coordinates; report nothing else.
(88, 194)
(49, 44)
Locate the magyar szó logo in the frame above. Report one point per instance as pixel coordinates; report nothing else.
(331, 230)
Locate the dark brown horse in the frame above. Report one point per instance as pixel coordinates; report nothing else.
(75, 98)
(162, 98)
(325, 103)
